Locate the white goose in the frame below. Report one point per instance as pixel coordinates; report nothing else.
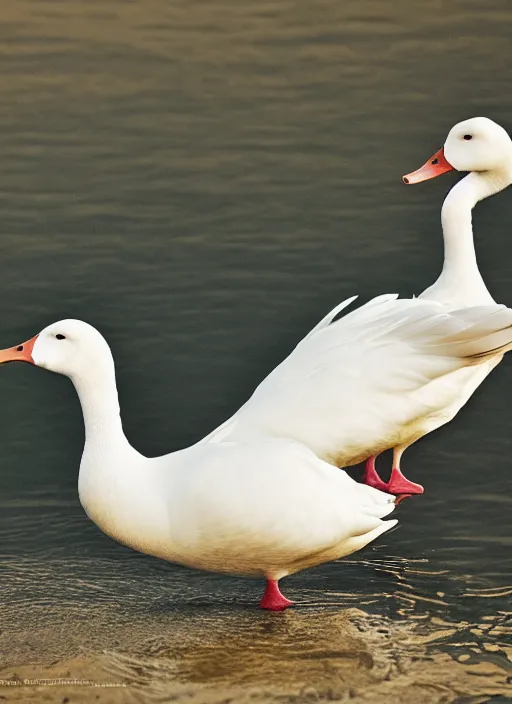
(305, 397)
(483, 148)
(264, 506)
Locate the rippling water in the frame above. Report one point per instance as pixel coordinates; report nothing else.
(202, 182)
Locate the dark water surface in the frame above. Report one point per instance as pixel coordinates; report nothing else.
(202, 181)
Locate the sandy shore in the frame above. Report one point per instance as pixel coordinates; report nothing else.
(292, 657)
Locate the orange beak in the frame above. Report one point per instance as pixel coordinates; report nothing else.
(435, 166)
(20, 353)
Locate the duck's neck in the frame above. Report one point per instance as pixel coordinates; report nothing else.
(100, 408)
(460, 278)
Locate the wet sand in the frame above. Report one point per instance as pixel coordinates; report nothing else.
(299, 656)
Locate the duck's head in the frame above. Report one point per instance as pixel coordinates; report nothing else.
(69, 347)
(477, 144)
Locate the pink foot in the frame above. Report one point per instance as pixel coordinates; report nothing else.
(399, 485)
(273, 599)
(371, 476)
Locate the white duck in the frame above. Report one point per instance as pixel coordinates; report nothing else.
(483, 148)
(305, 397)
(263, 506)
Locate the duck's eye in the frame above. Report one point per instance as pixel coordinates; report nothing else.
(467, 137)
(60, 337)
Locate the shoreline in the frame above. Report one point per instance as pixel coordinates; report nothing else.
(296, 658)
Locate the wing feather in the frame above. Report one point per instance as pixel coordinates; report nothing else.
(354, 384)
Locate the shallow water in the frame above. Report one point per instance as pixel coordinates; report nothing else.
(202, 182)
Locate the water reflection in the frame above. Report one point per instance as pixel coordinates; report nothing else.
(321, 654)
(101, 602)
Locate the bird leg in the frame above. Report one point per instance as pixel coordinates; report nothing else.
(273, 599)
(371, 476)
